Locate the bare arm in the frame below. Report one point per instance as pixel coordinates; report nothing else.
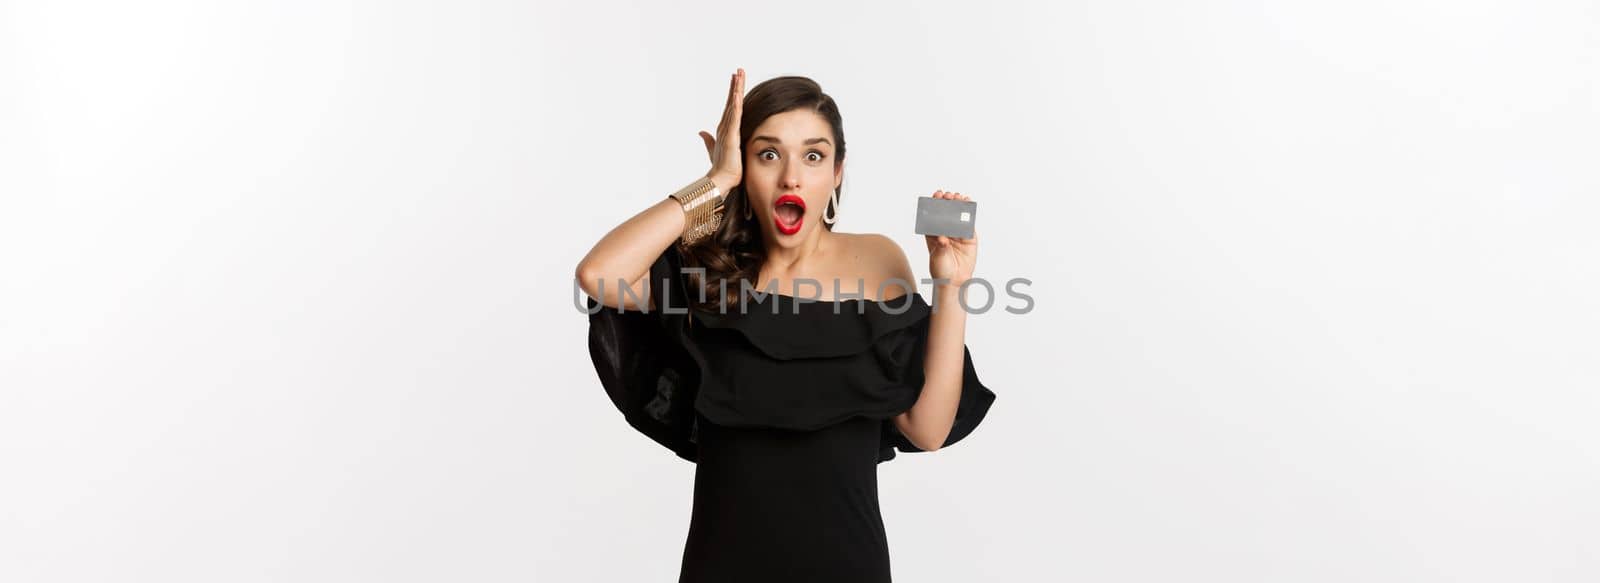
(623, 256)
(927, 424)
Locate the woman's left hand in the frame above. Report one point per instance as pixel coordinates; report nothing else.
(952, 258)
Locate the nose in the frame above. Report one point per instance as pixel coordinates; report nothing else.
(790, 181)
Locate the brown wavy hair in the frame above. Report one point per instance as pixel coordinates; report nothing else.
(736, 252)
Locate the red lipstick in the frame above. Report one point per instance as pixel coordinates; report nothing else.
(788, 213)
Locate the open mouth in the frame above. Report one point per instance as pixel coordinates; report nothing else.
(788, 213)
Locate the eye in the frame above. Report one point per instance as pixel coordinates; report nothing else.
(814, 153)
(763, 154)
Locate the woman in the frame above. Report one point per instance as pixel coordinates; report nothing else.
(786, 404)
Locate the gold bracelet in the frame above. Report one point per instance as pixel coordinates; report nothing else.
(702, 209)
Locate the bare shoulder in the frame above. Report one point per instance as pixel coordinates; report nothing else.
(883, 265)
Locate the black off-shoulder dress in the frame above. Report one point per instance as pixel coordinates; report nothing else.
(786, 408)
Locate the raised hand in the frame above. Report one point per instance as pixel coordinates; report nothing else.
(727, 162)
(952, 258)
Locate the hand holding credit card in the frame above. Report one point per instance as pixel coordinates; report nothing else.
(946, 216)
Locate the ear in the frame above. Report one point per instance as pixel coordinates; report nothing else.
(838, 174)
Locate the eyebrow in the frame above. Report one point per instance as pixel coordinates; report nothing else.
(806, 143)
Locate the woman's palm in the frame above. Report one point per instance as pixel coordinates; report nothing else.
(723, 148)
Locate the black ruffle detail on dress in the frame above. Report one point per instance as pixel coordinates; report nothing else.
(784, 362)
(642, 363)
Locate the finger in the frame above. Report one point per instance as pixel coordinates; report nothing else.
(711, 143)
(738, 100)
(736, 91)
(728, 107)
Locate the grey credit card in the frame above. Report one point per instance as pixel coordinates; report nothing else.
(948, 217)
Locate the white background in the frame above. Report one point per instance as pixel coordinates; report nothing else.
(285, 287)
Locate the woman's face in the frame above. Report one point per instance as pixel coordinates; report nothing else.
(790, 173)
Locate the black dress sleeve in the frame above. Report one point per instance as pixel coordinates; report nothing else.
(906, 351)
(640, 358)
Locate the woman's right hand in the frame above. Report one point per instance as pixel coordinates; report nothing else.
(727, 162)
